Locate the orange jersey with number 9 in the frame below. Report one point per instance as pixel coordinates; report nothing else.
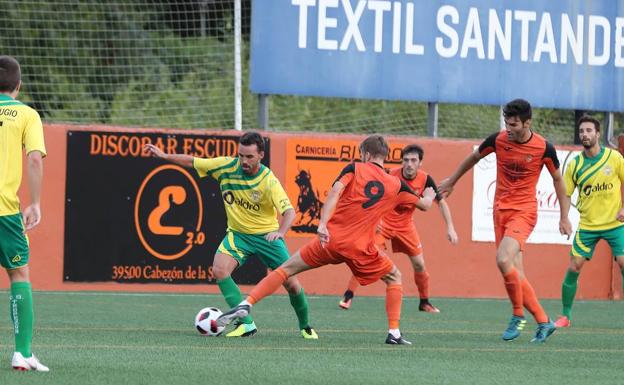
(369, 193)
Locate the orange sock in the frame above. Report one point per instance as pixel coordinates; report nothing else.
(267, 286)
(531, 302)
(514, 291)
(422, 282)
(353, 284)
(394, 298)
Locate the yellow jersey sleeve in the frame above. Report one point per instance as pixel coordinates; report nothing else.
(620, 166)
(214, 166)
(33, 134)
(569, 177)
(278, 195)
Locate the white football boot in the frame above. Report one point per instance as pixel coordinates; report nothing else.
(19, 362)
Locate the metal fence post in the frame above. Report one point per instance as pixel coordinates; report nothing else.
(263, 111)
(608, 131)
(238, 94)
(432, 119)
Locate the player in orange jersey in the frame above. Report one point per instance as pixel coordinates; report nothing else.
(520, 156)
(361, 195)
(398, 227)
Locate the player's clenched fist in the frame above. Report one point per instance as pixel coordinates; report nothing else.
(429, 192)
(445, 188)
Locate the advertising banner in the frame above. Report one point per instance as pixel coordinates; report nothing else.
(558, 54)
(312, 167)
(547, 228)
(134, 218)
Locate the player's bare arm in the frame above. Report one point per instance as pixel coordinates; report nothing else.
(565, 226)
(620, 214)
(32, 213)
(285, 222)
(445, 211)
(179, 159)
(446, 187)
(328, 209)
(566, 201)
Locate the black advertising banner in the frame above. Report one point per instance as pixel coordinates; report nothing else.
(133, 218)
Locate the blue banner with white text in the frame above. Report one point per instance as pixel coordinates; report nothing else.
(558, 54)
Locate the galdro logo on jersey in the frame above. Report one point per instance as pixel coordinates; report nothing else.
(598, 187)
(229, 198)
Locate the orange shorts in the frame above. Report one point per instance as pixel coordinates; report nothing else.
(515, 224)
(366, 268)
(407, 241)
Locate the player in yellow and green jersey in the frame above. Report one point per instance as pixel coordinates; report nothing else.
(252, 197)
(20, 128)
(598, 173)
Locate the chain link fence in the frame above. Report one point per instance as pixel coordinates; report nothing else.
(159, 63)
(149, 63)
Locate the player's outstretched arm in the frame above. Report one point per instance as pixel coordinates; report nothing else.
(565, 226)
(32, 213)
(446, 187)
(445, 210)
(328, 209)
(179, 159)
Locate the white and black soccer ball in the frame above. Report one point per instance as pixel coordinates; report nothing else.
(206, 322)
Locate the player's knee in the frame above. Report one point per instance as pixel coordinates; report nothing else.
(503, 259)
(504, 265)
(294, 265)
(576, 265)
(418, 264)
(292, 286)
(393, 278)
(221, 272)
(19, 275)
(397, 276)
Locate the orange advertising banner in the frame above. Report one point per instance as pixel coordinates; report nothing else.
(312, 165)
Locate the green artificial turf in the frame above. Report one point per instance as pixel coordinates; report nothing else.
(118, 338)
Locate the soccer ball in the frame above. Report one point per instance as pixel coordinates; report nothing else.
(206, 322)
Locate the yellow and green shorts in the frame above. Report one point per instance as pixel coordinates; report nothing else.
(14, 250)
(242, 246)
(585, 241)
